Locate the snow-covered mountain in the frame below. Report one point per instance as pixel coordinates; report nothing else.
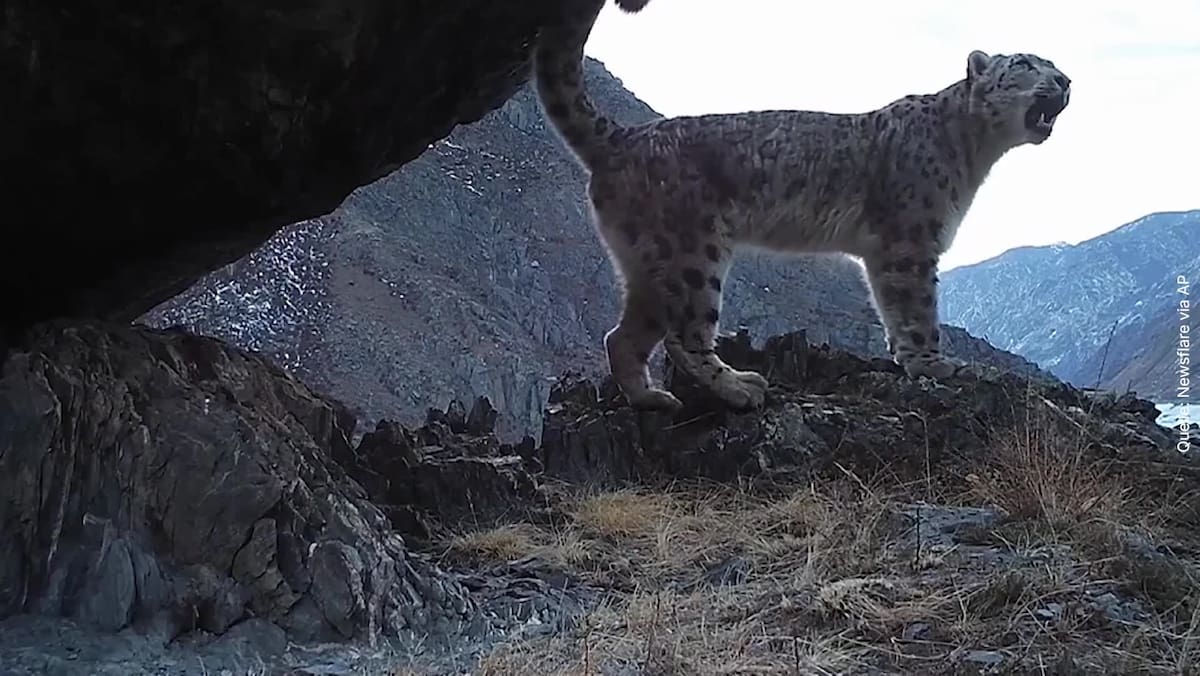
(1101, 312)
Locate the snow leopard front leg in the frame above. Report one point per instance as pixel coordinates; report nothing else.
(903, 281)
(691, 285)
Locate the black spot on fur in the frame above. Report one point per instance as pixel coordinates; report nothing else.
(558, 109)
(712, 316)
(713, 253)
(896, 295)
(673, 287)
(917, 338)
(693, 278)
(653, 325)
(687, 242)
(665, 250)
(632, 232)
(714, 283)
(711, 167)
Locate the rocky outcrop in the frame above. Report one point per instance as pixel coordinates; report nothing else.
(144, 146)
(157, 478)
(827, 412)
(828, 407)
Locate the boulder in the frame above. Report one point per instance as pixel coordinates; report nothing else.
(158, 477)
(142, 146)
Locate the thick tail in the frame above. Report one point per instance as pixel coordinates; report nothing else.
(558, 69)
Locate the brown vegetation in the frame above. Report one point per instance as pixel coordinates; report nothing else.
(1035, 559)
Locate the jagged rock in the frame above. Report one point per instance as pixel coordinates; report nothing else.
(452, 468)
(532, 594)
(984, 658)
(825, 407)
(159, 477)
(226, 120)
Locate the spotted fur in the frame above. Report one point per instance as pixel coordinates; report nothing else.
(674, 198)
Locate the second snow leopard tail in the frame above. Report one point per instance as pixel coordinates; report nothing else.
(558, 69)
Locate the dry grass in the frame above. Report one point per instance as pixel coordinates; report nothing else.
(506, 543)
(1040, 475)
(830, 580)
(624, 514)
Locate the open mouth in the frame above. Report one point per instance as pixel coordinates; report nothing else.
(1045, 109)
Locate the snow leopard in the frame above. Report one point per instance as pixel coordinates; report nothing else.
(673, 199)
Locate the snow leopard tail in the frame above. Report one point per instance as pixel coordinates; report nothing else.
(632, 6)
(558, 70)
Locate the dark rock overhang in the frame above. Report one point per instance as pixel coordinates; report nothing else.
(143, 145)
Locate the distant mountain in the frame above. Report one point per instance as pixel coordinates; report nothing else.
(1058, 305)
(475, 270)
(1142, 356)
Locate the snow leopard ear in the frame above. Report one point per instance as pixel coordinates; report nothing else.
(977, 62)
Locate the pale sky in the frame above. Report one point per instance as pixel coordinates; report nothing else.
(1128, 145)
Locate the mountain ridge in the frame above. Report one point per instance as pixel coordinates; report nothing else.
(1096, 313)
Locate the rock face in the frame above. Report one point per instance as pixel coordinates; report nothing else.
(826, 407)
(1059, 305)
(197, 129)
(474, 270)
(151, 478)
